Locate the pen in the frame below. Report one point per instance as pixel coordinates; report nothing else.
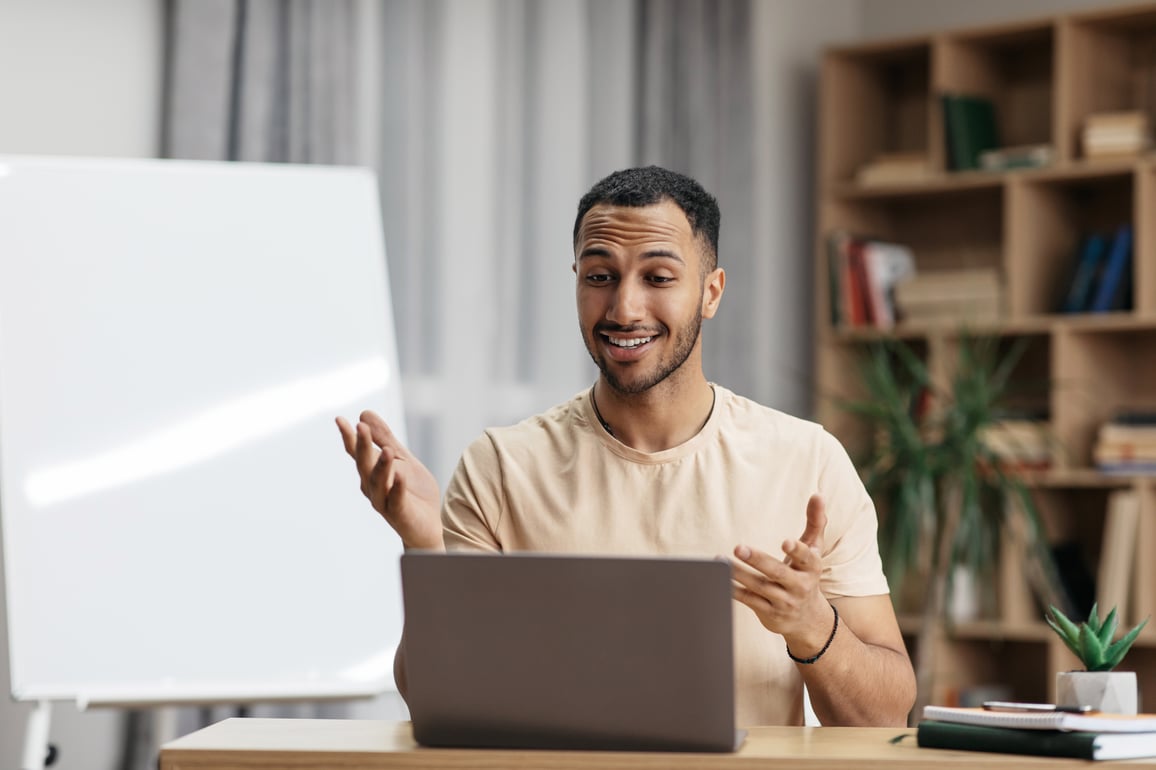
(999, 705)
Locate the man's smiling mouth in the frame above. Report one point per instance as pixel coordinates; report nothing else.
(627, 342)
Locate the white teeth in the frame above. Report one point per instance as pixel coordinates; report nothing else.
(631, 343)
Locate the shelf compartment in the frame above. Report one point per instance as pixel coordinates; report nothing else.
(1048, 216)
(1013, 66)
(967, 667)
(874, 100)
(1107, 64)
(947, 229)
(1098, 373)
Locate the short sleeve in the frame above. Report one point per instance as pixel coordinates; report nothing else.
(474, 500)
(851, 565)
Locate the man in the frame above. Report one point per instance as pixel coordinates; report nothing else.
(654, 459)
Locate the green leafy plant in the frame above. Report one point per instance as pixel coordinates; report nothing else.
(1091, 641)
(943, 494)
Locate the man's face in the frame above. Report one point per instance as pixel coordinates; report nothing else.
(641, 292)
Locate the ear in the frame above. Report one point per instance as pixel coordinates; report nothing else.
(712, 291)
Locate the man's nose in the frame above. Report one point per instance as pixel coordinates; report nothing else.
(627, 304)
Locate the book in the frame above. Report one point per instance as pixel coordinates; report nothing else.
(1045, 743)
(951, 295)
(1110, 292)
(1022, 156)
(1115, 121)
(886, 264)
(1112, 134)
(1089, 259)
(836, 253)
(1135, 417)
(1044, 720)
(1118, 553)
(894, 168)
(970, 125)
(860, 309)
(1018, 443)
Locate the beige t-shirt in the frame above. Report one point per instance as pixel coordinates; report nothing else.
(559, 483)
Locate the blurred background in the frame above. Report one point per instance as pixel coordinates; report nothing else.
(485, 120)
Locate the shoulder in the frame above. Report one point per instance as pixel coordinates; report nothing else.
(742, 415)
(557, 426)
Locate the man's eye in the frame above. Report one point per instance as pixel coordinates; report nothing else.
(661, 278)
(598, 277)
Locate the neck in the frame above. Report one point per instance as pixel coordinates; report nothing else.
(657, 419)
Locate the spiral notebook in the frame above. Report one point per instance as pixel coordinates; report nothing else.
(1055, 720)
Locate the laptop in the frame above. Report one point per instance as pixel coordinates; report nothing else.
(569, 652)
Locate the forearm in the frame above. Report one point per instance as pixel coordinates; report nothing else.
(856, 683)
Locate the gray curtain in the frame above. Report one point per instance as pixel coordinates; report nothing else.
(261, 80)
(695, 116)
(495, 116)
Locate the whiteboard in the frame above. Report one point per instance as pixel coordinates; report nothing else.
(180, 521)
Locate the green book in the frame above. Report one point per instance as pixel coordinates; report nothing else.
(1045, 743)
(970, 126)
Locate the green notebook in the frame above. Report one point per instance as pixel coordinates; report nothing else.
(1045, 743)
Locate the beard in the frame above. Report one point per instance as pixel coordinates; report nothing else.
(684, 343)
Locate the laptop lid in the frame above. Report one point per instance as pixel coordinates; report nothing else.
(569, 652)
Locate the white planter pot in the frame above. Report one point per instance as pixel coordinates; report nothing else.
(1113, 692)
(963, 602)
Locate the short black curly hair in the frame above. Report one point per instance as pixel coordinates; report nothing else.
(648, 185)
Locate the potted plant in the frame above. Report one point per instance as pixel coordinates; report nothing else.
(1099, 685)
(942, 493)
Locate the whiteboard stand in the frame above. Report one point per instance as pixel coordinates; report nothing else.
(38, 754)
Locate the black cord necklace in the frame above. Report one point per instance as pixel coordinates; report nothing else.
(606, 425)
(594, 403)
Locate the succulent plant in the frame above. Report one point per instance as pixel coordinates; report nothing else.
(1091, 641)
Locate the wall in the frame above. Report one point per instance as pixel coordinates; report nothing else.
(895, 18)
(789, 37)
(76, 78)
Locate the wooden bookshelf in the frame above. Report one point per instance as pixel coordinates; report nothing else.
(1044, 76)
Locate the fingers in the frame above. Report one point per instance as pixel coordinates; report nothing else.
(394, 494)
(380, 432)
(816, 522)
(766, 576)
(759, 604)
(348, 436)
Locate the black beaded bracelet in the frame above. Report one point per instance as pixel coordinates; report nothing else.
(819, 654)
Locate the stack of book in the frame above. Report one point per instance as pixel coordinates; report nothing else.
(895, 168)
(1022, 156)
(1116, 134)
(1050, 734)
(1127, 444)
(1020, 444)
(966, 295)
(863, 275)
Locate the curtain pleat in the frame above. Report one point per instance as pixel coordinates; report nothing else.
(262, 80)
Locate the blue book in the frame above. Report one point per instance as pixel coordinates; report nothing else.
(1089, 261)
(1110, 293)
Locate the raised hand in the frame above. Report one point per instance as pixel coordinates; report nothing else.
(785, 594)
(398, 486)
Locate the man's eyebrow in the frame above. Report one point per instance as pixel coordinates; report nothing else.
(598, 251)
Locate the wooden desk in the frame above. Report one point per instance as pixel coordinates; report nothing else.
(346, 744)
